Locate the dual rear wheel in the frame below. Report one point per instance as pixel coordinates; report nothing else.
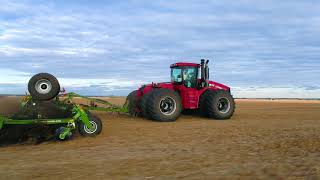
(162, 105)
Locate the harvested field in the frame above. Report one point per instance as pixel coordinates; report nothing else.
(265, 139)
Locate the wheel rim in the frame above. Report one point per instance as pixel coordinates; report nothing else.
(223, 105)
(94, 128)
(167, 106)
(43, 86)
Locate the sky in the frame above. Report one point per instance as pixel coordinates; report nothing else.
(261, 49)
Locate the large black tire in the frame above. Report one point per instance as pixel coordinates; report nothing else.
(163, 105)
(132, 103)
(217, 104)
(145, 98)
(95, 121)
(43, 87)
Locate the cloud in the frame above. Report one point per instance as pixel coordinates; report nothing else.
(10, 51)
(250, 43)
(15, 79)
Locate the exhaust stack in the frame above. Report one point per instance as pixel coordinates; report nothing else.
(207, 73)
(204, 72)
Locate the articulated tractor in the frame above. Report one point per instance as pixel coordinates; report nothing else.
(189, 89)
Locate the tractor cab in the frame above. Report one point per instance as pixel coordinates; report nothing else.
(187, 74)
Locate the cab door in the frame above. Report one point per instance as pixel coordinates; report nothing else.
(188, 89)
(189, 97)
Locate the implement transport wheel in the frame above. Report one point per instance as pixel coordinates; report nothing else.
(132, 103)
(96, 123)
(43, 87)
(59, 134)
(163, 105)
(217, 104)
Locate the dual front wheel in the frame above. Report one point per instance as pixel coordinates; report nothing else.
(217, 104)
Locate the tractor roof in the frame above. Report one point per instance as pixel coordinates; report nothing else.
(184, 64)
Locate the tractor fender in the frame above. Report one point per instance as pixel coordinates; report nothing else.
(217, 86)
(147, 88)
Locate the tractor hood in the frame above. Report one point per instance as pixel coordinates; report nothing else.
(216, 85)
(167, 85)
(148, 87)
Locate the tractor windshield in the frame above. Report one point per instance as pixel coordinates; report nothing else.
(190, 76)
(184, 75)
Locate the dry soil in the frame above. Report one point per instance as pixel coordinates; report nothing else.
(265, 139)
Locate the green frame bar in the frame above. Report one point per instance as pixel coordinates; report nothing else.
(110, 107)
(38, 121)
(79, 115)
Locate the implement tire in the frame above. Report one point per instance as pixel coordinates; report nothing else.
(43, 87)
(95, 121)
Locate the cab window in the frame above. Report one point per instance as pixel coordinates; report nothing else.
(190, 77)
(176, 75)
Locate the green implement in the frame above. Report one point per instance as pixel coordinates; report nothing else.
(47, 109)
(79, 111)
(80, 118)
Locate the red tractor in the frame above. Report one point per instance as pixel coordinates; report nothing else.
(189, 89)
